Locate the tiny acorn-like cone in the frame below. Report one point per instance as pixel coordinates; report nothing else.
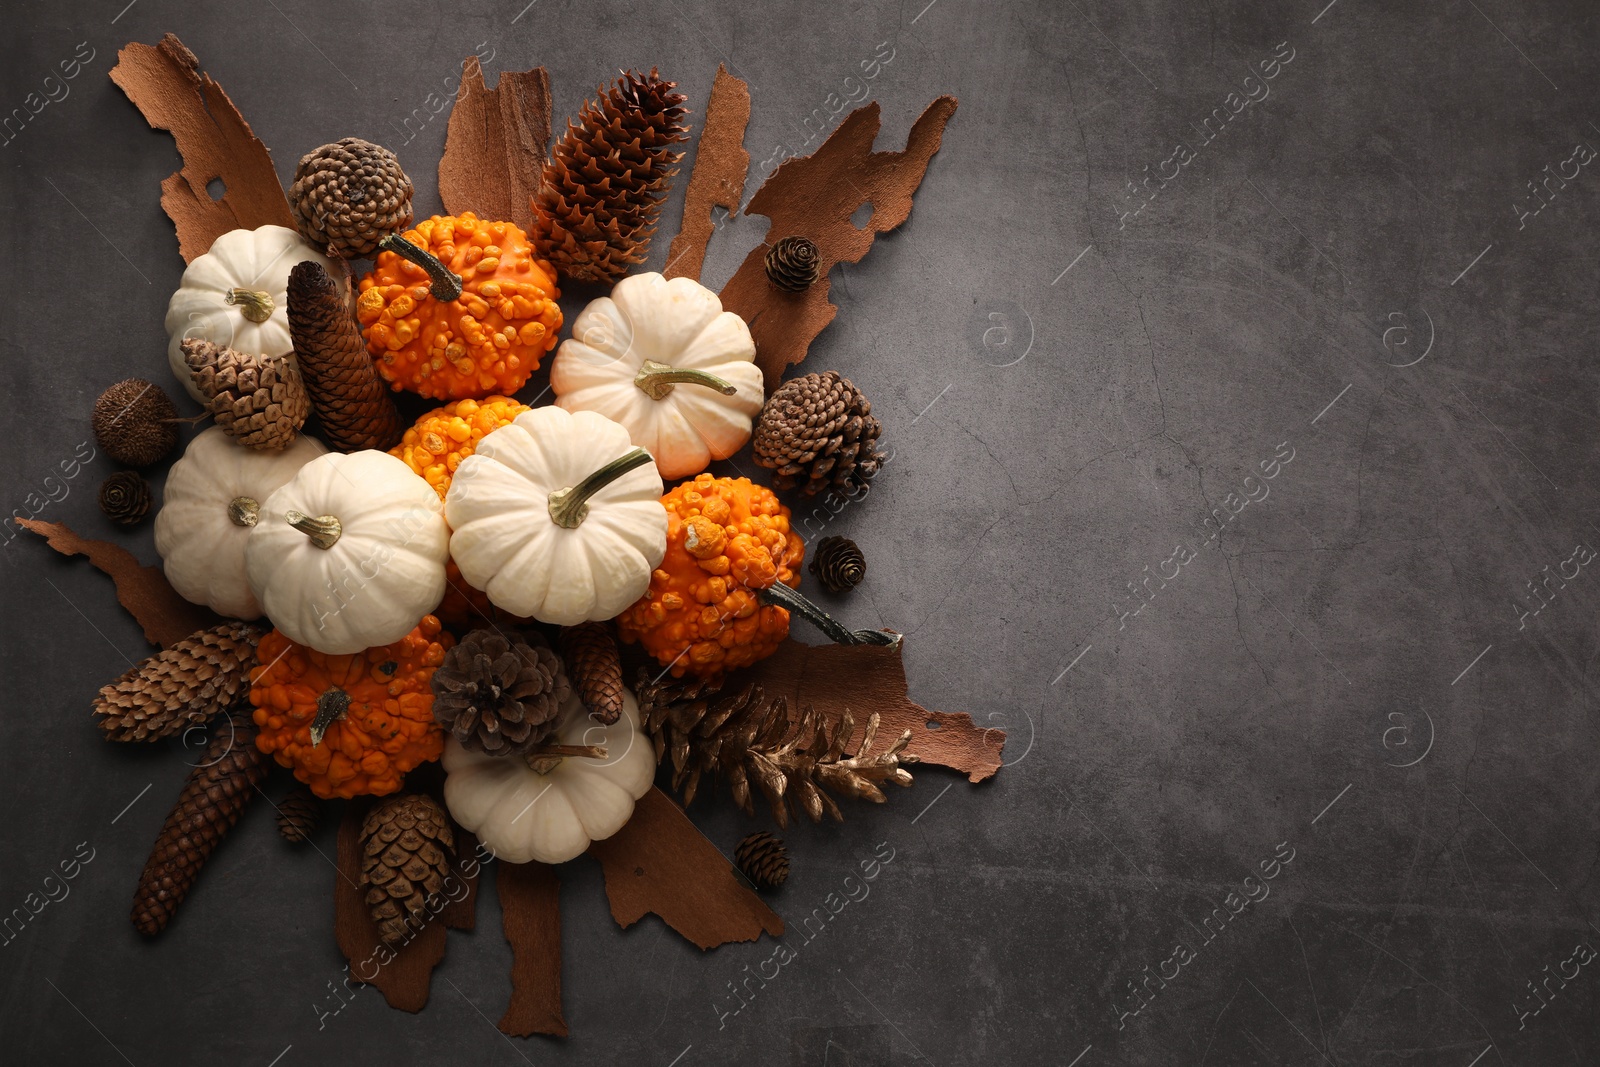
(838, 564)
(792, 264)
(763, 859)
(298, 815)
(125, 498)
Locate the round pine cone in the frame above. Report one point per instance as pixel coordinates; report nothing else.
(258, 400)
(792, 264)
(764, 859)
(406, 843)
(349, 195)
(818, 430)
(298, 815)
(125, 498)
(498, 694)
(135, 422)
(838, 564)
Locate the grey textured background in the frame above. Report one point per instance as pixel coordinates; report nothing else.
(1068, 395)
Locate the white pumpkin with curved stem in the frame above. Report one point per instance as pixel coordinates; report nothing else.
(663, 359)
(524, 815)
(236, 295)
(211, 502)
(350, 553)
(557, 517)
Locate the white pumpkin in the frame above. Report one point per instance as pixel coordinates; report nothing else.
(350, 553)
(524, 815)
(663, 359)
(209, 506)
(235, 295)
(557, 517)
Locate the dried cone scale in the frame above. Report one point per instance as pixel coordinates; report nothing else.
(258, 400)
(595, 667)
(406, 847)
(350, 400)
(817, 431)
(180, 686)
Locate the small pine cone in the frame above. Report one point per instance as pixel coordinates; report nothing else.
(351, 401)
(818, 430)
(135, 423)
(764, 859)
(228, 774)
(792, 264)
(258, 400)
(406, 845)
(349, 195)
(499, 695)
(181, 686)
(298, 815)
(125, 498)
(595, 665)
(838, 564)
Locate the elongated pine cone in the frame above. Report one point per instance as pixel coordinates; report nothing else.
(406, 846)
(206, 672)
(595, 666)
(125, 498)
(351, 400)
(498, 694)
(258, 400)
(135, 423)
(838, 564)
(607, 177)
(763, 859)
(349, 195)
(817, 431)
(298, 815)
(227, 775)
(792, 264)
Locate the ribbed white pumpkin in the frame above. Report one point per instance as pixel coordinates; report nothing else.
(675, 325)
(523, 815)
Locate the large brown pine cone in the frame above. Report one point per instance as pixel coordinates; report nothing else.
(595, 667)
(349, 195)
(607, 176)
(498, 694)
(258, 400)
(350, 399)
(817, 431)
(406, 845)
(184, 685)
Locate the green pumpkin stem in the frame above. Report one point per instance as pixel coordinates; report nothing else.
(570, 506)
(253, 304)
(324, 530)
(785, 597)
(446, 282)
(657, 379)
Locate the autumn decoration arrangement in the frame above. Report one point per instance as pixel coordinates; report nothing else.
(484, 617)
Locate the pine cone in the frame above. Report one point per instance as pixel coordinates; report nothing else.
(135, 423)
(258, 400)
(340, 378)
(499, 695)
(838, 564)
(349, 195)
(184, 685)
(406, 843)
(764, 860)
(595, 665)
(227, 776)
(607, 177)
(656, 697)
(819, 429)
(792, 264)
(125, 498)
(298, 815)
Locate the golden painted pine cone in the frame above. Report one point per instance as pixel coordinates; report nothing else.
(351, 401)
(595, 666)
(125, 498)
(349, 195)
(406, 847)
(817, 431)
(298, 815)
(258, 400)
(229, 772)
(607, 176)
(185, 685)
(838, 564)
(498, 694)
(763, 859)
(792, 264)
(135, 423)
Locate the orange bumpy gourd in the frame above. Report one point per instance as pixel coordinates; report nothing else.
(442, 438)
(487, 340)
(386, 727)
(726, 538)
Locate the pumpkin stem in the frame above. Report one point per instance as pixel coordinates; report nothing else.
(244, 511)
(569, 506)
(546, 758)
(446, 282)
(324, 530)
(332, 706)
(253, 304)
(657, 380)
(785, 597)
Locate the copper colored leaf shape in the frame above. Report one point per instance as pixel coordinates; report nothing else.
(815, 196)
(720, 163)
(495, 145)
(461, 913)
(659, 862)
(530, 911)
(401, 975)
(166, 84)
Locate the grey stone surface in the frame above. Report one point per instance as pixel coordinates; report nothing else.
(1073, 379)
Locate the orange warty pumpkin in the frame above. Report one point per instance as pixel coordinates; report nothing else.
(726, 538)
(442, 438)
(378, 705)
(487, 340)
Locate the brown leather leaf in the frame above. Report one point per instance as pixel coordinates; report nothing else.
(495, 144)
(720, 163)
(530, 911)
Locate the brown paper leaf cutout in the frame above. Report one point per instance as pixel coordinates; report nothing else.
(165, 83)
(720, 163)
(659, 862)
(814, 196)
(462, 914)
(164, 616)
(495, 145)
(530, 912)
